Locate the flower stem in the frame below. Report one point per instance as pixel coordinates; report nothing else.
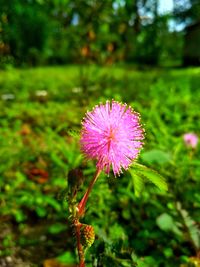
(77, 224)
(80, 249)
(81, 205)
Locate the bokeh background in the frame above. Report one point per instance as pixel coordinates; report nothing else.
(58, 58)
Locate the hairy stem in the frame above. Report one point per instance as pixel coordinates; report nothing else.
(80, 248)
(81, 205)
(77, 225)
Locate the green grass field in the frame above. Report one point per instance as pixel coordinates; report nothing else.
(41, 111)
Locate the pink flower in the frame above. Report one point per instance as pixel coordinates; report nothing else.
(191, 139)
(112, 135)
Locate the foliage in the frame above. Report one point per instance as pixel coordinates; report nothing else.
(40, 112)
(140, 172)
(187, 11)
(58, 32)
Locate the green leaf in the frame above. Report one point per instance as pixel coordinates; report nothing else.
(165, 222)
(57, 228)
(41, 212)
(66, 257)
(19, 216)
(55, 158)
(168, 252)
(116, 231)
(157, 156)
(150, 175)
(138, 182)
(192, 228)
(146, 262)
(74, 133)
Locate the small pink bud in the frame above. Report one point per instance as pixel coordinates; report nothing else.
(191, 140)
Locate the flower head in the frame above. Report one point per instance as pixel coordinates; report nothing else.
(190, 139)
(112, 135)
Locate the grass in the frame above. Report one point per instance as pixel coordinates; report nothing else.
(41, 110)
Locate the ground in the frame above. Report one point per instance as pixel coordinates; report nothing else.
(41, 111)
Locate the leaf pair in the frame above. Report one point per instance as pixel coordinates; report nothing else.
(140, 172)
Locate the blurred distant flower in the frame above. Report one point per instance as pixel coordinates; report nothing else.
(112, 135)
(190, 139)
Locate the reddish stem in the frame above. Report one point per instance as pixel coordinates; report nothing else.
(77, 224)
(80, 249)
(82, 203)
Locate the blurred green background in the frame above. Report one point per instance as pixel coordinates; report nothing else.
(58, 58)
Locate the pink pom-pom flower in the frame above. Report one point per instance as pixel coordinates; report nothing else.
(190, 139)
(112, 135)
